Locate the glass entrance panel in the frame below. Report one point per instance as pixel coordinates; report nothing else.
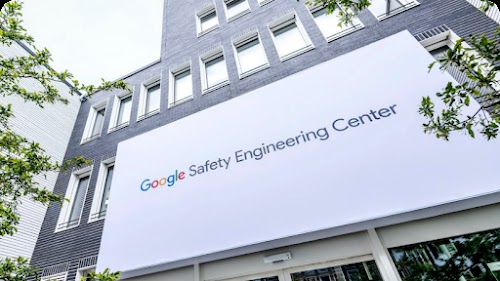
(363, 271)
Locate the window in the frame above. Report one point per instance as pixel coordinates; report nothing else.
(383, 9)
(236, 8)
(181, 87)
(329, 24)
(77, 190)
(264, 2)
(214, 71)
(250, 55)
(207, 20)
(84, 272)
(56, 277)
(467, 257)
(289, 37)
(366, 270)
(150, 98)
(121, 112)
(101, 193)
(95, 121)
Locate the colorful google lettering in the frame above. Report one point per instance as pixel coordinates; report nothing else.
(169, 181)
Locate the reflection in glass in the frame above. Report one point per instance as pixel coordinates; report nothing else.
(362, 271)
(464, 258)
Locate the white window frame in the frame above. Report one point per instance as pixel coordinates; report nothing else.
(241, 41)
(116, 108)
(264, 2)
(99, 188)
(356, 24)
(89, 126)
(204, 12)
(246, 11)
(63, 276)
(79, 271)
(207, 57)
(70, 195)
(174, 72)
(405, 7)
(143, 96)
(283, 22)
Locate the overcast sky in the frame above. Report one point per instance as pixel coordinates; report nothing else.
(96, 38)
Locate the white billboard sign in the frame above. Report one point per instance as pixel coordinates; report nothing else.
(338, 143)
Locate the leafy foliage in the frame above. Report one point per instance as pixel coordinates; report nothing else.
(480, 63)
(106, 275)
(22, 160)
(16, 270)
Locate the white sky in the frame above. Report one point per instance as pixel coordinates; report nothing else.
(96, 38)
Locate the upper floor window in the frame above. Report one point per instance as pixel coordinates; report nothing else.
(383, 9)
(181, 86)
(76, 192)
(56, 277)
(207, 20)
(290, 37)
(103, 187)
(264, 2)
(150, 98)
(329, 23)
(236, 8)
(250, 55)
(214, 71)
(95, 122)
(121, 112)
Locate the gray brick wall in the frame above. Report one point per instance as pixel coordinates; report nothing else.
(181, 44)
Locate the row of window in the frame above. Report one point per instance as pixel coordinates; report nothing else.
(76, 193)
(289, 37)
(207, 20)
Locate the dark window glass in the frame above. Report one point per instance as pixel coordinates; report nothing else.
(99, 120)
(105, 193)
(463, 258)
(352, 272)
(77, 204)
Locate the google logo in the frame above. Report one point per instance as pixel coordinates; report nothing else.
(169, 181)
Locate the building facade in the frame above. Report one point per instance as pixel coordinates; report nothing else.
(214, 53)
(51, 127)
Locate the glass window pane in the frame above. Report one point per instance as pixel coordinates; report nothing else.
(77, 204)
(99, 120)
(216, 71)
(351, 272)
(208, 21)
(153, 99)
(251, 55)
(183, 87)
(235, 7)
(289, 39)
(107, 186)
(124, 111)
(379, 7)
(468, 257)
(328, 24)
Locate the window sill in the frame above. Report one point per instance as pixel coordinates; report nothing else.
(264, 2)
(59, 229)
(97, 217)
(253, 71)
(398, 11)
(215, 87)
(297, 53)
(89, 139)
(147, 115)
(247, 11)
(344, 33)
(170, 105)
(119, 127)
(201, 33)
